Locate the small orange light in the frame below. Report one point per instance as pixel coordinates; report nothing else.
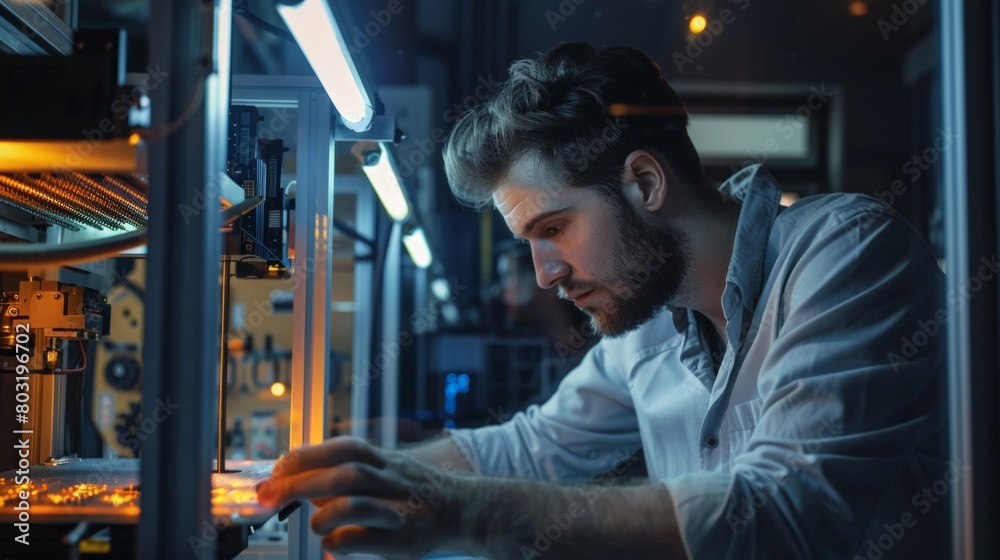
(278, 389)
(134, 138)
(698, 24)
(789, 198)
(857, 8)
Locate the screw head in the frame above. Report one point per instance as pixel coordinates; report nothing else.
(12, 311)
(56, 295)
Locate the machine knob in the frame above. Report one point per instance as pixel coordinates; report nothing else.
(122, 372)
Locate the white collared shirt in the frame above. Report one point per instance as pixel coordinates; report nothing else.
(823, 428)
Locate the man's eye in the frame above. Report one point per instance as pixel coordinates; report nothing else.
(553, 230)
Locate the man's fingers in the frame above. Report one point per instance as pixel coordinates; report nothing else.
(346, 478)
(351, 538)
(354, 538)
(373, 513)
(329, 453)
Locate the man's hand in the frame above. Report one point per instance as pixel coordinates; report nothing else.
(368, 499)
(392, 504)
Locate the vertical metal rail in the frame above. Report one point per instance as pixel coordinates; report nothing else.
(220, 454)
(969, 88)
(364, 274)
(312, 293)
(189, 43)
(390, 333)
(422, 299)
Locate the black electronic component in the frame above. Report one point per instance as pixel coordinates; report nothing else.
(273, 211)
(255, 165)
(245, 168)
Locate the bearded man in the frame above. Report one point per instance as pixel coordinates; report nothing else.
(750, 350)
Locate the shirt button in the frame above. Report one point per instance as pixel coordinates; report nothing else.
(711, 441)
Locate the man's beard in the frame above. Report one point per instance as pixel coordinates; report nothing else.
(649, 266)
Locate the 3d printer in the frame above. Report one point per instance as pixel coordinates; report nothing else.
(60, 198)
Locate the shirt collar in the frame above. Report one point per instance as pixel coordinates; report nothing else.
(761, 197)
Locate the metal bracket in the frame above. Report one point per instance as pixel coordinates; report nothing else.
(382, 129)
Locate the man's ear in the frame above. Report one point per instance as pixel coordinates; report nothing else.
(645, 181)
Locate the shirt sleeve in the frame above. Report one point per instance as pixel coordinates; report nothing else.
(587, 426)
(846, 407)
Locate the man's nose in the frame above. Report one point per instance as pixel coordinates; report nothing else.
(550, 268)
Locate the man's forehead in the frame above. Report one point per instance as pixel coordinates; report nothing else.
(514, 200)
(529, 187)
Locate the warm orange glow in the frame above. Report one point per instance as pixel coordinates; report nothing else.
(58, 156)
(278, 389)
(134, 139)
(789, 198)
(75, 494)
(698, 24)
(857, 8)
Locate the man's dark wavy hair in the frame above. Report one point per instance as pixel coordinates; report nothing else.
(581, 111)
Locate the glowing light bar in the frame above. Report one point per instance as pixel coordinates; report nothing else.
(385, 181)
(316, 31)
(417, 247)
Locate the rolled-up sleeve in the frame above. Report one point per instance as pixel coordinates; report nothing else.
(587, 426)
(846, 407)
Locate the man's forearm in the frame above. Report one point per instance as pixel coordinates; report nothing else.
(524, 519)
(440, 453)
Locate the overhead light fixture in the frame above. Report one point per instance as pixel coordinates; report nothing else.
(418, 248)
(318, 34)
(382, 173)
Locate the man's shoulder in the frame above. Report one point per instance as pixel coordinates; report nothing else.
(852, 215)
(833, 208)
